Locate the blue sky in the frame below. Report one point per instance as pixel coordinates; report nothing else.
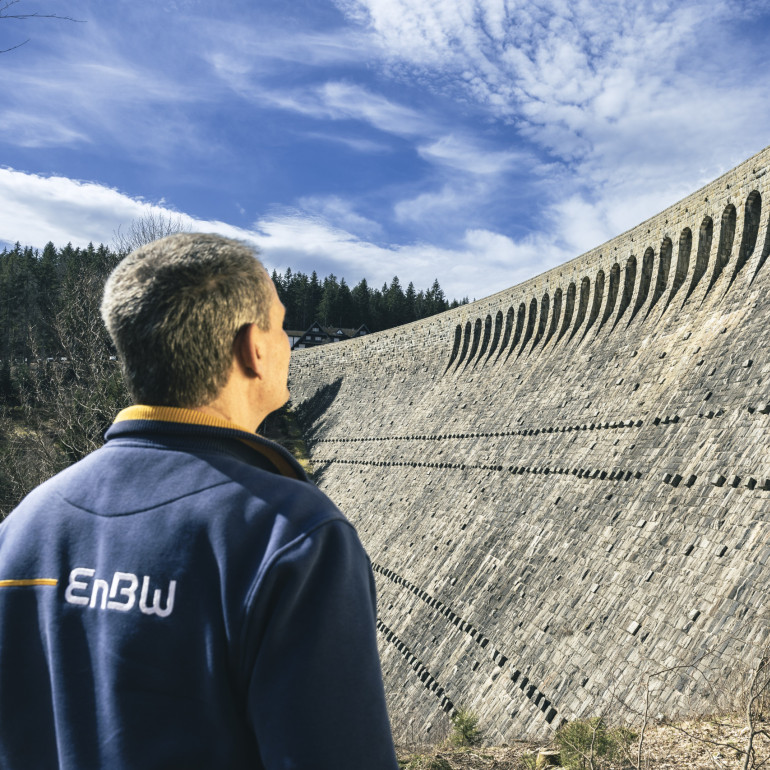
(479, 142)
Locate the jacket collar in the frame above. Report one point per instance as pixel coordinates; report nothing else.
(140, 418)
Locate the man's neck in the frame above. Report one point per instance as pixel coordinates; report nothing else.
(235, 405)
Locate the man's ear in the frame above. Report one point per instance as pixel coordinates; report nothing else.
(248, 350)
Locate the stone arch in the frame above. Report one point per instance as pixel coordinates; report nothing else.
(645, 279)
(509, 316)
(498, 332)
(520, 316)
(569, 309)
(629, 280)
(456, 345)
(545, 305)
(752, 212)
(765, 251)
(682, 260)
(705, 239)
(596, 305)
(531, 316)
(476, 340)
(585, 292)
(612, 294)
(485, 340)
(555, 315)
(726, 238)
(466, 342)
(664, 267)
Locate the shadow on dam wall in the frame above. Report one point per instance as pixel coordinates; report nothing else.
(311, 412)
(566, 485)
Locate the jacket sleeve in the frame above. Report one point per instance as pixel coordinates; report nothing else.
(315, 694)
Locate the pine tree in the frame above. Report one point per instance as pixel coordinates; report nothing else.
(395, 303)
(361, 297)
(410, 303)
(328, 310)
(314, 294)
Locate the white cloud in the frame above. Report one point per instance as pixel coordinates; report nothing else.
(37, 209)
(463, 154)
(443, 204)
(308, 244)
(235, 49)
(611, 87)
(450, 153)
(329, 236)
(631, 96)
(516, 260)
(347, 101)
(31, 130)
(87, 91)
(340, 213)
(614, 108)
(40, 209)
(366, 146)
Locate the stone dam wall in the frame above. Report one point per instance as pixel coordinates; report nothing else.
(566, 485)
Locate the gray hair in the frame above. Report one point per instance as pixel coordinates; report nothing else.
(173, 308)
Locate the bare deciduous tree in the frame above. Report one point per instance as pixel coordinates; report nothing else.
(148, 228)
(66, 401)
(7, 11)
(739, 693)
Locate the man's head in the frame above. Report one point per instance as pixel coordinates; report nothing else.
(174, 308)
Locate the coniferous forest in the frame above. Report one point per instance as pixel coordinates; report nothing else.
(332, 302)
(60, 385)
(37, 287)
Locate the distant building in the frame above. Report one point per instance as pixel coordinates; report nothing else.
(323, 335)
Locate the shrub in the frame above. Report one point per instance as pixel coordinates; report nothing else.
(590, 743)
(465, 728)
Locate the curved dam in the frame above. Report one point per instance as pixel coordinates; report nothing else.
(566, 486)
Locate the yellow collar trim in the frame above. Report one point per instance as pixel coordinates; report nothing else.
(177, 414)
(194, 417)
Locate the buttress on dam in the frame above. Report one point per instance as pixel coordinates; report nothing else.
(566, 486)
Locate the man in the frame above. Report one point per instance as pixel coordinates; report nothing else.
(183, 597)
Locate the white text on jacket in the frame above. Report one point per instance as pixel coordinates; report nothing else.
(119, 594)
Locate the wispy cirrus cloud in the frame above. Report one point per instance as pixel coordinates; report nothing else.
(465, 155)
(619, 94)
(450, 200)
(90, 90)
(236, 49)
(340, 213)
(355, 143)
(33, 131)
(338, 100)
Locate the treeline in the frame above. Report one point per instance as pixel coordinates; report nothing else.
(332, 302)
(37, 287)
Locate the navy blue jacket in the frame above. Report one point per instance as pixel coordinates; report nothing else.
(184, 598)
